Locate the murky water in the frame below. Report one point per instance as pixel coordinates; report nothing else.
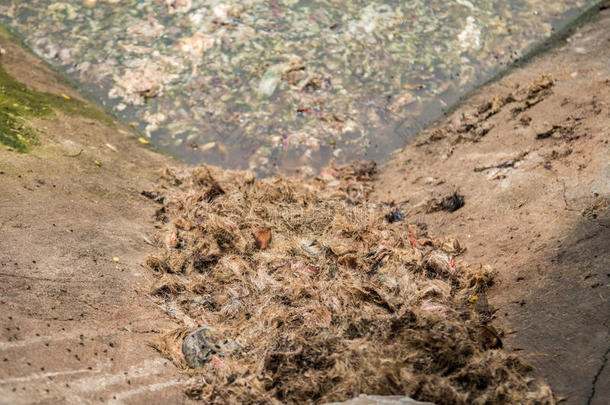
(278, 84)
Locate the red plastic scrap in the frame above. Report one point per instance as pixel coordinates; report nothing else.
(412, 239)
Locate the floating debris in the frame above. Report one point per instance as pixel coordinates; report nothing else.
(283, 85)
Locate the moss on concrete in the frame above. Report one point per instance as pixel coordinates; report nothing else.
(19, 104)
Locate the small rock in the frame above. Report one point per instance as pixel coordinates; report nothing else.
(364, 399)
(202, 345)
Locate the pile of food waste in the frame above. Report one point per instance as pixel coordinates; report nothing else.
(294, 290)
(292, 84)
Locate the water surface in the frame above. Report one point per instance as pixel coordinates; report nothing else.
(285, 85)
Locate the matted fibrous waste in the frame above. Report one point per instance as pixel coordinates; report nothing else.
(302, 291)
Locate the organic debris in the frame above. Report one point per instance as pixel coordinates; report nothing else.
(450, 203)
(510, 163)
(155, 196)
(341, 303)
(473, 125)
(598, 206)
(262, 238)
(489, 337)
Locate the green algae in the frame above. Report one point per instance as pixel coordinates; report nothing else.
(19, 104)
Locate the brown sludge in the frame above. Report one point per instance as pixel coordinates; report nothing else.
(338, 305)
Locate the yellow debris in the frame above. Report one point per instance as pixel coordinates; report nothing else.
(97, 163)
(67, 97)
(134, 124)
(143, 140)
(116, 259)
(473, 299)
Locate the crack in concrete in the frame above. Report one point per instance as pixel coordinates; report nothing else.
(596, 376)
(565, 198)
